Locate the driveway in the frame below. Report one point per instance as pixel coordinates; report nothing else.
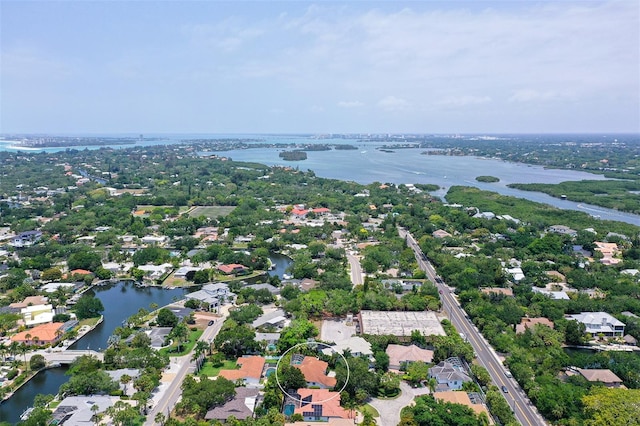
(389, 409)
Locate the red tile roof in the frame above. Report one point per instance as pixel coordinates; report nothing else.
(315, 371)
(329, 401)
(46, 333)
(231, 268)
(250, 368)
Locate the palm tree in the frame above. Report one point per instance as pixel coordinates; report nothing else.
(94, 410)
(432, 383)
(160, 418)
(368, 419)
(27, 337)
(36, 340)
(125, 379)
(22, 349)
(200, 348)
(3, 351)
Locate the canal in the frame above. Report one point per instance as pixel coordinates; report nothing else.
(120, 301)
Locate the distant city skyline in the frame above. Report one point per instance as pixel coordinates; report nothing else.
(420, 67)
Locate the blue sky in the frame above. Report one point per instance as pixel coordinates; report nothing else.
(323, 67)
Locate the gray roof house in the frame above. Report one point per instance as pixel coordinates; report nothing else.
(599, 323)
(449, 374)
(272, 289)
(241, 406)
(76, 410)
(215, 294)
(276, 318)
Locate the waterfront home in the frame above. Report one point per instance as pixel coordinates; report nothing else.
(250, 371)
(601, 375)
(232, 268)
(599, 323)
(214, 294)
(44, 334)
(400, 354)
(241, 406)
(78, 410)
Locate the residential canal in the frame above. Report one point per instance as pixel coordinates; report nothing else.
(45, 382)
(120, 301)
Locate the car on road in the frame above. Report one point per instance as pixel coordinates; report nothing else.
(211, 322)
(440, 291)
(504, 389)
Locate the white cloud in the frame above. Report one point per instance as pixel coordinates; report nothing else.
(350, 104)
(392, 103)
(530, 95)
(465, 100)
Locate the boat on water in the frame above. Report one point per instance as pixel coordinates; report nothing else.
(25, 414)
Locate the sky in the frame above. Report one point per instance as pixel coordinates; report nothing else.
(511, 66)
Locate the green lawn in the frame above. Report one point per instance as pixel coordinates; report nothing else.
(212, 212)
(364, 408)
(210, 371)
(89, 321)
(186, 346)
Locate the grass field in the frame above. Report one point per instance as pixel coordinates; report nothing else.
(212, 212)
(210, 371)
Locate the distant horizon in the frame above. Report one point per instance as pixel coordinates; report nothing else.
(145, 134)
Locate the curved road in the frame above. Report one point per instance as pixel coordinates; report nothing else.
(524, 411)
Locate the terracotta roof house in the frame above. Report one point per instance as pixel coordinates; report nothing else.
(315, 372)
(327, 405)
(80, 272)
(530, 322)
(30, 301)
(250, 370)
(462, 398)
(399, 354)
(321, 210)
(609, 251)
(231, 268)
(440, 233)
(46, 334)
(241, 406)
(605, 376)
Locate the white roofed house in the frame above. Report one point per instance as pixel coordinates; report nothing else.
(355, 345)
(215, 294)
(599, 323)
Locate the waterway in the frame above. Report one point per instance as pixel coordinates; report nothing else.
(368, 165)
(45, 382)
(120, 301)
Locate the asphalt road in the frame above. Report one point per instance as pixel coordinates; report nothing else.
(173, 392)
(524, 410)
(356, 269)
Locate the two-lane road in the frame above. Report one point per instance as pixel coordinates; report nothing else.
(524, 411)
(173, 392)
